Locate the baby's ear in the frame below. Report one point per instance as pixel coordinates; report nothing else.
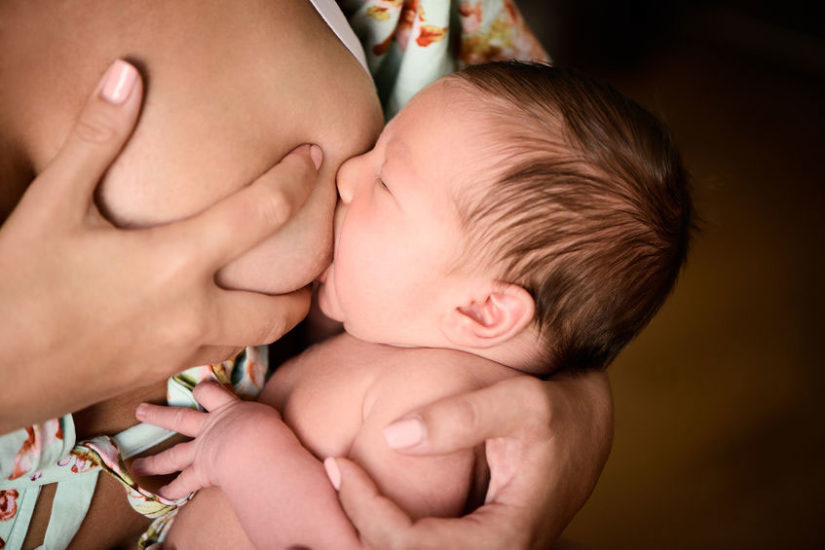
(490, 318)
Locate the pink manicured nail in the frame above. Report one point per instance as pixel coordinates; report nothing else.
(405, 432)
(119, 82)
(317, 155)
(333, 472)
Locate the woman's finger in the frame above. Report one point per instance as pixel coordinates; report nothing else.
(382, 524)
(97, 137)
(212, 395)
(512, 406)
(169, 461)
(237, 223)
(374, 516)
(250, 318)
(178, 419)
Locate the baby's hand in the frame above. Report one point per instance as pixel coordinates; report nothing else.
(229, 426)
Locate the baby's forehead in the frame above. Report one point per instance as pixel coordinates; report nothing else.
(460, 136)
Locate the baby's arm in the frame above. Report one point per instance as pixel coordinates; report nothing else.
(278, 490)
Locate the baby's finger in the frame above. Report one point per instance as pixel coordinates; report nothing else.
(212, 395)
(249, 216)
(187, 482)
(172, 460)
(251, 318)
(178, 419)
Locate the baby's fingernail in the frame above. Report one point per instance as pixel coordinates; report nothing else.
(317, 155)
(405, 432)
(140, 411)
(137, 466)
(333, 472)
(119, 82)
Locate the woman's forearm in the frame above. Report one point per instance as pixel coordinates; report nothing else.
(87, 306)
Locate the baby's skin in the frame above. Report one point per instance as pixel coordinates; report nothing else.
(337, 397)
(418, 328)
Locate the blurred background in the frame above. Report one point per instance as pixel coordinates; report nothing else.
(719, 415)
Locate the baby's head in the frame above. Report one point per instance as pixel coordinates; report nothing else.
(530, 215)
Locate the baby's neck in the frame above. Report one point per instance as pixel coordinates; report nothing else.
(521, 353)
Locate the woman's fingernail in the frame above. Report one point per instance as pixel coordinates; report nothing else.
(317, 155)
(119, 82)
(333, 472)
(405, 432)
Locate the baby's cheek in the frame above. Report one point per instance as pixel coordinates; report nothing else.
(294, 256)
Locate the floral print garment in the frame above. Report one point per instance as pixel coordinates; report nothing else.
(411, 43)
(47, 453)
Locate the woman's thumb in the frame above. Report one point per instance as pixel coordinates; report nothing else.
(101, 130)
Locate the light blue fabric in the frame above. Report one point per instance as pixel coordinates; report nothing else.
(74, 491)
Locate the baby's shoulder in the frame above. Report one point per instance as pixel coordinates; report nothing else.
(411, 377)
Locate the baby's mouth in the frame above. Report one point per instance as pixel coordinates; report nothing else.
(337, 221)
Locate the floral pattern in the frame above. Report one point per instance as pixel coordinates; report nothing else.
(410, 43)
(38, 438)
(8, 504)
(506, 36)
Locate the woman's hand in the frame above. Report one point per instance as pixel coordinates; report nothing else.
(546, 444)
(89, 310)
(230, 426)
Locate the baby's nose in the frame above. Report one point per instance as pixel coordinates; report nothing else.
(345, 180)
(337, 221)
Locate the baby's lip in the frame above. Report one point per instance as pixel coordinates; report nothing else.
(337, 220)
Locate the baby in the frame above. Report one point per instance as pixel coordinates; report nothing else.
(512, 219)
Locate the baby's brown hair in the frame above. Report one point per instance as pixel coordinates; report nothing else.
(590, 212)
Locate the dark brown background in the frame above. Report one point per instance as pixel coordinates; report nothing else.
(719, 424)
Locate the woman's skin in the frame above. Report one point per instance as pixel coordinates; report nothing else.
(218, 112)
(81, 288)
(228, 93)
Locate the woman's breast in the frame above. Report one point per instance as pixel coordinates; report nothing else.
(230, 89)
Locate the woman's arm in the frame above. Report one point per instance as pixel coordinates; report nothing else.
(547, 443)
(230, 90)
(86, 305)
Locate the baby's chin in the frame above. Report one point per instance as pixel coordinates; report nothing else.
(327, 302)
